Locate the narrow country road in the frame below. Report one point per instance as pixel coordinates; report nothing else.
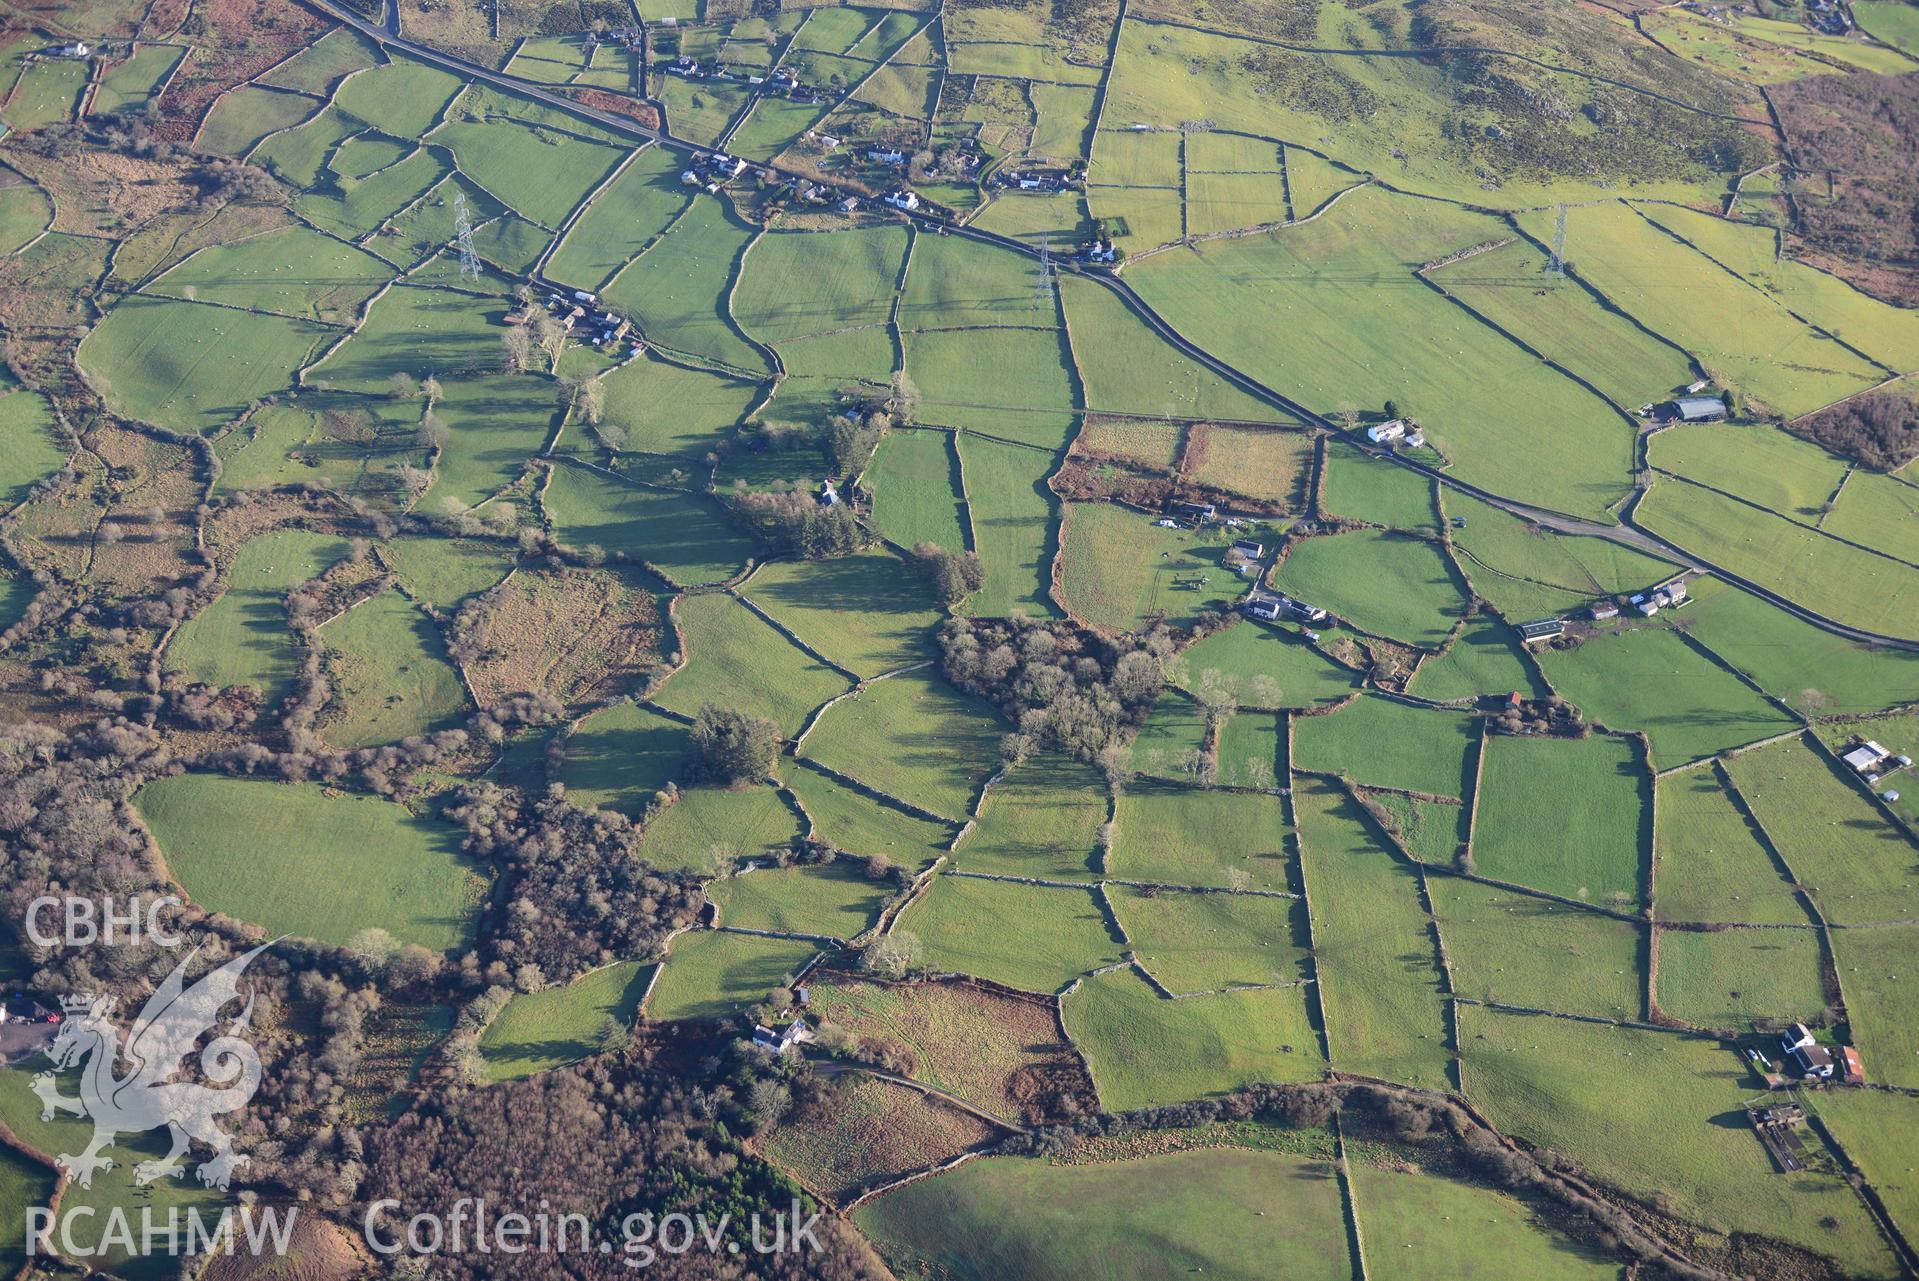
(1628, 535)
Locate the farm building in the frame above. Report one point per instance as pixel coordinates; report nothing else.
(1381, 433)
(903, 199)
(1250, 549)
(781, 1040)
(1541, 629)
(1694, 409)
(1872, 761)
(1265, 607)
(78, 49)
(1199, 512)
(1806, 1056)
(886, 156)
(1602, 611)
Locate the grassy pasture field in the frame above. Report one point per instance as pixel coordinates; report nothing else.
(1041, 820)
(1787, 656)
(130, 83)
(402, 99)
(978, 1044)
(1146, 1049)
(1031, 937)
(634, 208)
(676, 292)
(1249, 750)
(1730, 978)
(1013, 517)
(291, 272)
(681, 535)
(1875, 976)
(1887, 334)
(1171, 744)
(444, 571)
(1482, 659)
(736, 659)
(390, 675)
(834, 899)
(1125, 1220)
(539, 1031)
(1564, 322)
(1362, 488)
(23, 1183)
(1651, 679)
(1030, 397)
(298, 156)
(1754, 346)
(1117, 569)
(1555, 1082)
(850, 276)
(417, 331)
(1157, 838)
(871, 1130)
(1591, 793)
(914, 477)
(1526, 570)
(713, 973)
(320, 66)
(1518, 950)
(869, 612)
(1429, 831)
(31, 454)
(243, 638)
(914, 737)
(1374, 953)
(1439, 1227)
(1858, 864)
(539, 171)
(667, 408)
(1248, 650)
(1135, 158)
(1763, 465)
(350, 206)
(1140, 218)
(1229, 201)
(295, 860)
(1386, 743)
(1877, 1130)
(25, 212)
(1893, 21)
(1879, 511)
(955, 282)
(1344, 344)
(858, 824)
(1391, 585)
(620, 756)
(190, 366)
(1195, 942)
(709, 829)
(1711, 859)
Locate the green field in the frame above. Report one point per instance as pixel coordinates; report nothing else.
(1527, 571)
(1387, 743)
(1041, 820)
(1482, 659)
(1129, 369)
(1117, 569)
(710, 974)
(709, 829)
(32, 454)
(1125, 1220)
(1250, 749)
(1013, 516)
(1035, 938)
(1879, 1000)
(1762, 465)
(1361, 488)
(243, 637)
(1557, 1083)
(1433, 1226)
(633, 209)
(1172, 742)
(444, 571)
(1591, 795)
(869, 613)
(858, 824)
(1789, 657)
(676, 292)
(539, 1031)
(1243, 846)
(620, 756)
(834, 899)
(296, 858)
(1711, 861)
(666, 408)
(1730, 978)
(1387, 584)
(1247, 651)
(1195, 942)
(193, 367)
(1650, 679)
(1857, 863)
(1373, 951)
(914, 477)
(684, 536)
(735, 659)
(1517, 950)
(1464, 382)
(1146, 1049)
(390, 674)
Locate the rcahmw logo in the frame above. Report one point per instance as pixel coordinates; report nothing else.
(145, 1096)
(83, 923)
